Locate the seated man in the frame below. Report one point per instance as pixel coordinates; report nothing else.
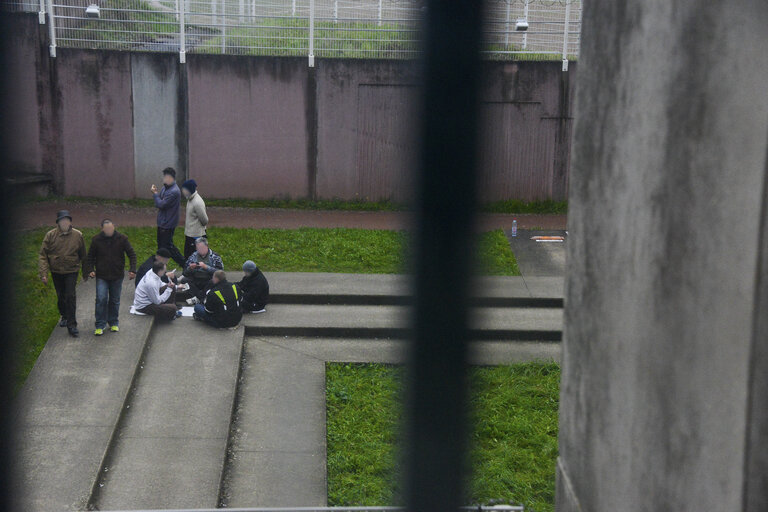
(164, 256)
(200, 268)
(221, 307)
(154, 297)
(254, 287)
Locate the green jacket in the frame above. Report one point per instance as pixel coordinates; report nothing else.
(62, 253)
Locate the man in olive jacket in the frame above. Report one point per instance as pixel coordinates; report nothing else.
(106, 264)
(63, 253)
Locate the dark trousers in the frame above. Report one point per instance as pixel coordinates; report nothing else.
(65, 292)
(165, 312)
(165, 240)
(189, 245)
(196, 289)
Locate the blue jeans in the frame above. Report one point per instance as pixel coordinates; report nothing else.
(205, 316)
(107, 302)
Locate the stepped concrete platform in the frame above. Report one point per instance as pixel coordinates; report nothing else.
(69, 405)
(144, 418)
(171, 445)
(536, 324)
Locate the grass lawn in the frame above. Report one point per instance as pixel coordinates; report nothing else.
(508, 206)
(513, 445)
(301, 250)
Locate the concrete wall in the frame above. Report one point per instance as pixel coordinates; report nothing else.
(105, 123)
(663, 401)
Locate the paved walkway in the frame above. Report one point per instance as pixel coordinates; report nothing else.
(39, 214)
(182, 415)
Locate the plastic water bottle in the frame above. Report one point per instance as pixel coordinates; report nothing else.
(514, 227)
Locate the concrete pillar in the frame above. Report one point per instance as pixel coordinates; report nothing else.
(664, 402)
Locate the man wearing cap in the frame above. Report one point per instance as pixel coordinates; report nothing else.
(63, 254)
(196, 222)
(106, 264)
(254, 287)
(167, 201)
(163, 256)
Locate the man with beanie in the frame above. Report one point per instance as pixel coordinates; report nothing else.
(63, 253)
(197, 218)
(106, 264)
(167, 202)
(254, 287)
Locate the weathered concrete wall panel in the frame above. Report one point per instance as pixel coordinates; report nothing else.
(159, 106)
(96, 122)
(247, 126)
(667, 194)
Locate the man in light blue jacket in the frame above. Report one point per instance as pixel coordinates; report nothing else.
(168, 201)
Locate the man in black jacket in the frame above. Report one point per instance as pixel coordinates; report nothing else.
(163, 256)
(254, 287)
(221, 307)
(106, 263)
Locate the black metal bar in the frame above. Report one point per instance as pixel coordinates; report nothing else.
(443, 241)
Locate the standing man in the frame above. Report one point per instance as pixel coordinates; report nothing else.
(197, 218)
(106, 263)
(63, 253)
(167, 202)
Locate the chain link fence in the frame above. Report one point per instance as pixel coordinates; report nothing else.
(388, 29)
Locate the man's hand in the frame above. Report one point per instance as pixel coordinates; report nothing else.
(131, 276)
(169, 275)
(203, 266)
(154, 189)
(44, 279)
(193, 265)
(92, 275)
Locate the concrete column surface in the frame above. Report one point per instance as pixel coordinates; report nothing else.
(666, 218)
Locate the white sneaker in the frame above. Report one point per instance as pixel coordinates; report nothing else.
(192, 301)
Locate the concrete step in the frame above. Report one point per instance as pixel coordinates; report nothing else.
(394, 289)
(332, 321)
(70, 403)
(172, 442)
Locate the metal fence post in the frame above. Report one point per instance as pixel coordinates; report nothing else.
(379, 12)
(525, 34)
(311, 33)
(506, 36)
(335, 10)
(182, 34)
(52, 28)
(293, 7)
(565, 34)
(41, 13)
(223, 27)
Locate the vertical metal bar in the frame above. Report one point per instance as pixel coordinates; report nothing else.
(182, 33)
(177, 10)
(335, 10)
(509, 8)
(223, 26)
(311, 33)
(41, 13)
(525, 34)
(293, 8)
(443, 241)
(52, 28)
(565, 34)
(242, 11)
(379, 12)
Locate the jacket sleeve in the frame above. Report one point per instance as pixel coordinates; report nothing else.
(131, 255)
(81, 253)
(90, 259)
(212, 303)
(167, 201)
(202, 215)
(218, 263)
(42, 259)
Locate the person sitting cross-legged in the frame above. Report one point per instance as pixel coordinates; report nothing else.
(254, 287)
(154, 297)
(221, 307)
(199, 271)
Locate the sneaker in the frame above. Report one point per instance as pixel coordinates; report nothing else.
(114, 328)
(74, 332)
(197, 317)
(179, 314)
(63, 322)
(192, 301)
(98, 332)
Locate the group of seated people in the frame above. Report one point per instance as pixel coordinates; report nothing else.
(202, 284)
